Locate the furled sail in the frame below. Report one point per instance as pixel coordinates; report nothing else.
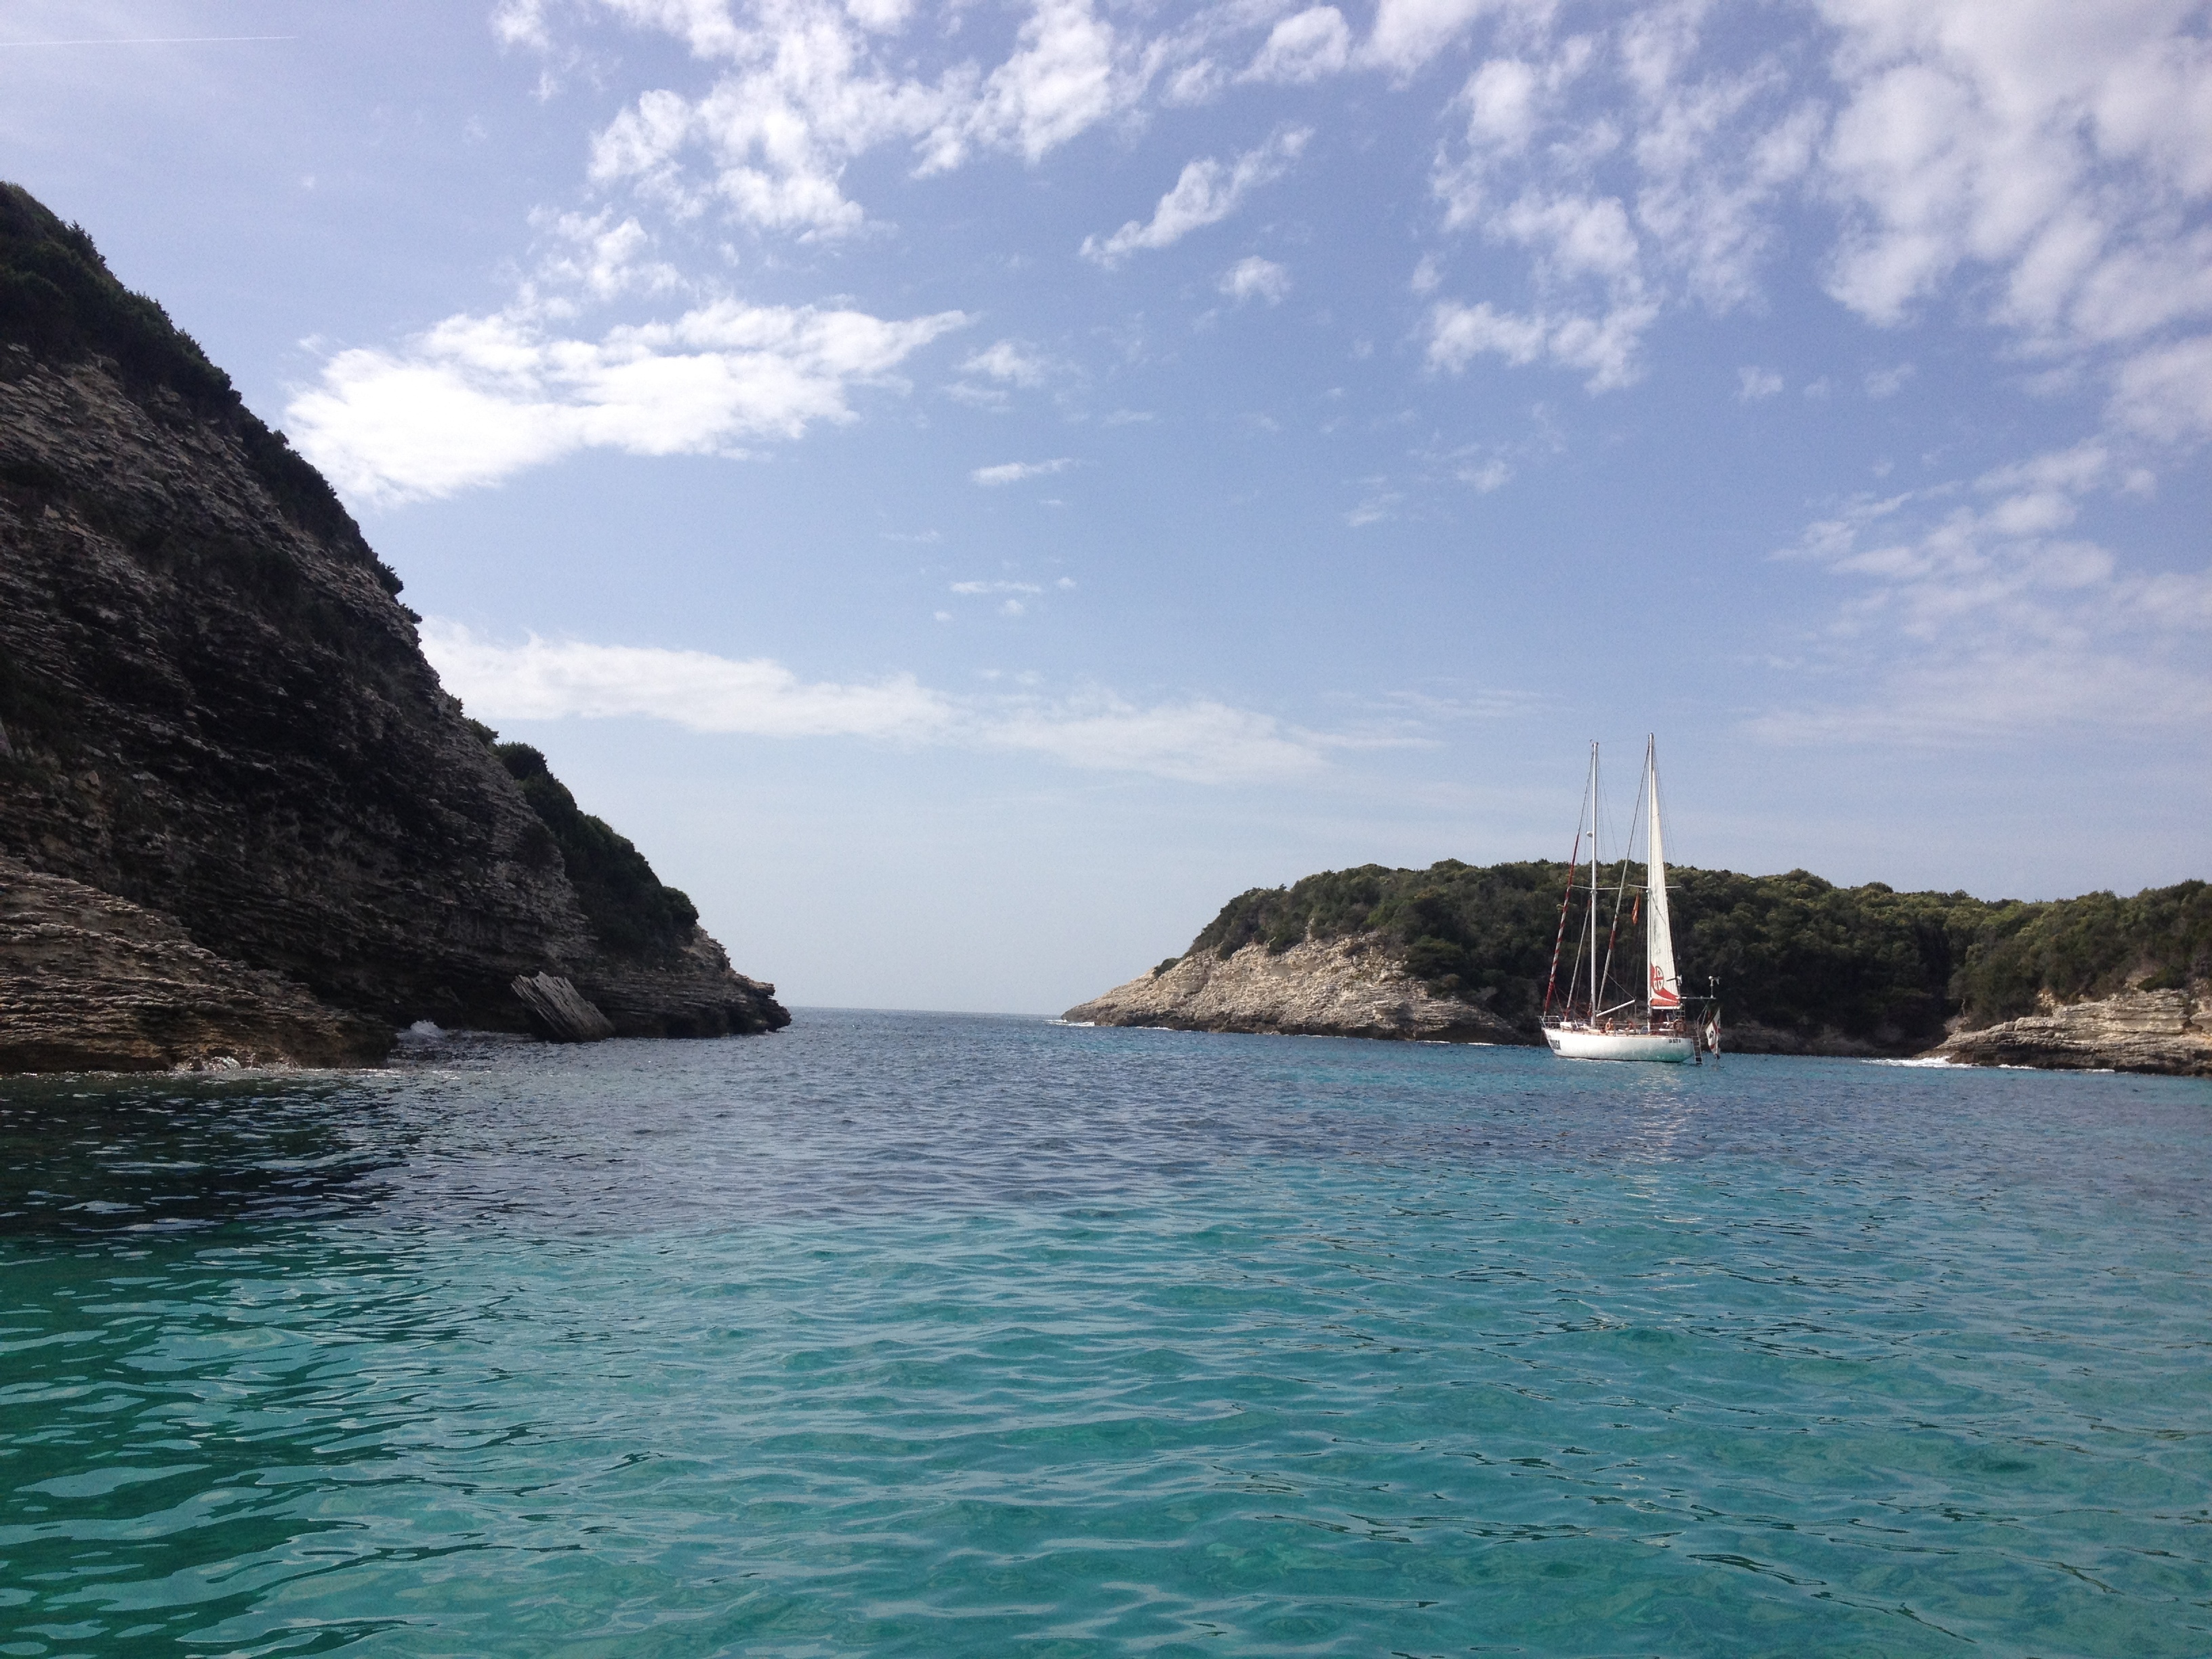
(1659, 936)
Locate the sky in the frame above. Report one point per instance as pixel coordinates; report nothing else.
(970, 488)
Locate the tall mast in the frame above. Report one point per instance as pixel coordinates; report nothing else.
(1593, 886)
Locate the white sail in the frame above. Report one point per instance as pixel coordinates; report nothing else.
(1659, 936)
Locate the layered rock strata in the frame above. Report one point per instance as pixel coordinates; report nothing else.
(2166, 1031)
(89, 981)
(1349, 987)
(215, 708)
(560, 1012)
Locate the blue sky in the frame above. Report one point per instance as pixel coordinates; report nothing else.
(970, 488)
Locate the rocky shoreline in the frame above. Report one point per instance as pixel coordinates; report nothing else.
(89, 981)
(1359, 986)
(2167, 1032)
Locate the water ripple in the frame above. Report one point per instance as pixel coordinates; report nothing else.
(902, 1335)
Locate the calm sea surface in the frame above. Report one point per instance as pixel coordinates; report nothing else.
(922, 1334)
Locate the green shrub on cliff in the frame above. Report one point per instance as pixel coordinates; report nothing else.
(58, 299)
(2089, 947)
(1791, 951)
(628, 906)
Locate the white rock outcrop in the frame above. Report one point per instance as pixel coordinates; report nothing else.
(1350, 986)
(2168, 1031)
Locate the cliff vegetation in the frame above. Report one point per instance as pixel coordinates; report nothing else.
(629, 907)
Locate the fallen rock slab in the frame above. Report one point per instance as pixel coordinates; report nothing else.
(559, 1012)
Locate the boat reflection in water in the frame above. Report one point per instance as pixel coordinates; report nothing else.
(1653, 1023)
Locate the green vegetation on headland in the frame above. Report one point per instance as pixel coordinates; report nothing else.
(629, 908)
(1792, 952)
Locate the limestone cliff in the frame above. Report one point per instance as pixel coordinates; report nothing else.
(213, 706)
(2166, 1031)
(1354, 986)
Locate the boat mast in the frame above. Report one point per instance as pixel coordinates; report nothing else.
(1593, 885)
(1650, 789)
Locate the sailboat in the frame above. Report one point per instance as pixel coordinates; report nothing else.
(1651, 1023)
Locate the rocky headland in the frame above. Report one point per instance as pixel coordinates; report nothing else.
(1354, 986)
(2162, 1031)
(1460, 953)
(238, 816)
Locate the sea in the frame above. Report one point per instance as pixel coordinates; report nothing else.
(941, 1334)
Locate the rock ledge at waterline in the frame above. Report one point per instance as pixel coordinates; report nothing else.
(242, 819)
(2165, 1031)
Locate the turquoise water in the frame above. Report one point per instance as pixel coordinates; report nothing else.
(909, 1334)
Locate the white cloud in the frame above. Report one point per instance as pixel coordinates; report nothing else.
(1407, 34)
(1603, 347)
(1195, 741)
(1888, 382)
(1755, 383)
(1572, 236)
(2056, 146)
(603, 257)
(1008, 472)
(1061, 81)
(1306, 47)
(1978, 612)
(811, 85)
(1634, 176)
(2046, 142)
(1255, 279)
(2167, 391)
(1206, 193)
(1486, 476)
(1010, 364)
(545, 680)
(477, 399)
(997, 587)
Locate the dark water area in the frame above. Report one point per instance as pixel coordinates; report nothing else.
(916, 1334)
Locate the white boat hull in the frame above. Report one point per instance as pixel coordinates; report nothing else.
(1667, 1048)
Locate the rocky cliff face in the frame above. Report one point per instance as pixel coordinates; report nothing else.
(2165, 1031)
(89, 981)
(1353, 987)
(213, 706)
